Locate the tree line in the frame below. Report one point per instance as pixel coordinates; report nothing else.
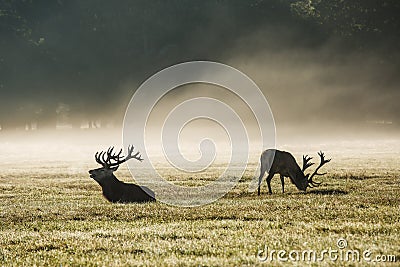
(81, 55)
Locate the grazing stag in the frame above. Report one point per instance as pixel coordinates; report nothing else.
(113, 189)
(282, 162)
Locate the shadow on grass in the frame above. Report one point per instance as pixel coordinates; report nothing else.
(328, 192)
(357, 177)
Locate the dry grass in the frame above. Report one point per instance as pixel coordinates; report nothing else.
(57, 216)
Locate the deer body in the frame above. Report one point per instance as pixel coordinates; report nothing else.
(275, 161)
(116, 191)
(113, 189)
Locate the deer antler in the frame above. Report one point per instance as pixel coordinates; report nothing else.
(105, 158)
(306, 162)
(322, 163)
(120, 159)
(100, 158)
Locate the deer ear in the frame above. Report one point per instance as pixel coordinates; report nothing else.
(115, 168)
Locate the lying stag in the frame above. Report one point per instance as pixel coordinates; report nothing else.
(282, 162)
(113, 189)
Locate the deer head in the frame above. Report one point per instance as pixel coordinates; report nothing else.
(306, 163)
(110, 161)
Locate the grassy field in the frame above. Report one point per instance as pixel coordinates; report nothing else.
(55, 215)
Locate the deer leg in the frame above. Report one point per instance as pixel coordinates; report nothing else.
(262, 172)
(283, 183)
(269, 178)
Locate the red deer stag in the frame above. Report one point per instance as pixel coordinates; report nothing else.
(282, 162)
(113, 189)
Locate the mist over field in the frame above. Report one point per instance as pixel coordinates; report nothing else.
(74, 154)
(69, 69)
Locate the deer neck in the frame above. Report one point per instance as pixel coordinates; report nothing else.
(110, 181)
(112, 188)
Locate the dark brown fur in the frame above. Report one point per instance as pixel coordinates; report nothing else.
(116, 191)
(282, 162)
(275, 161)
